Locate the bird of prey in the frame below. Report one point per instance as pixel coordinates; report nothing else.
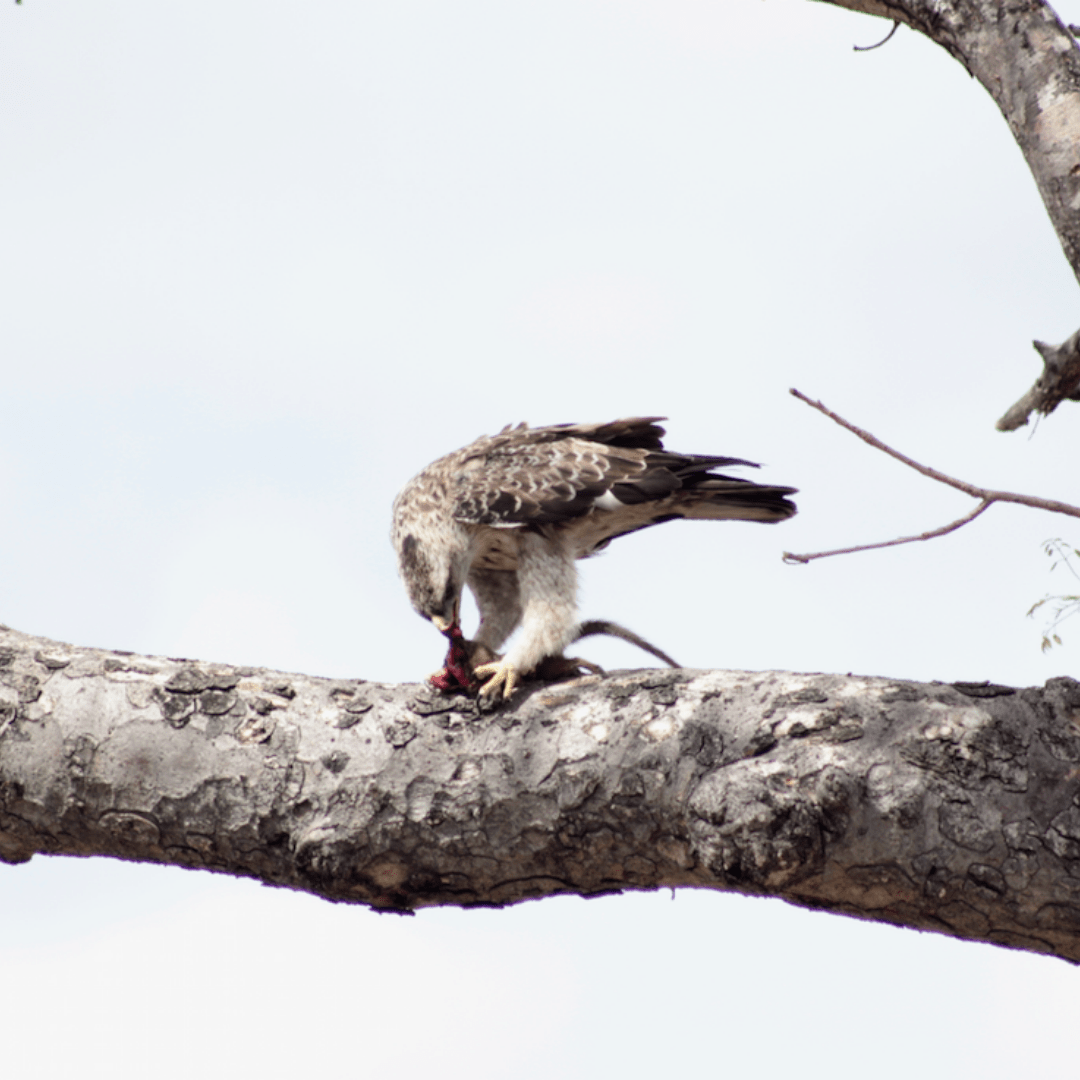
(509, 515)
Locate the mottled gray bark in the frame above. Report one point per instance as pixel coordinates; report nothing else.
(953, 808)
(1029, 63)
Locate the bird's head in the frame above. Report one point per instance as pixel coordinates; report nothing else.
(434, 571)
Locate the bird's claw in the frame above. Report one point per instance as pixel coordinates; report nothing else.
(462, 665)
(500, 675)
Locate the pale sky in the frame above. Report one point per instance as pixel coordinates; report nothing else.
(261, 262)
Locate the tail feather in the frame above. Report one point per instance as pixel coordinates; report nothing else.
(717, 498)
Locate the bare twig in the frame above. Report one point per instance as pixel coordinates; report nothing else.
(986, 496)
(790, 558)
(867, 48)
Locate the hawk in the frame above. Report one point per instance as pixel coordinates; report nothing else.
(510, 514)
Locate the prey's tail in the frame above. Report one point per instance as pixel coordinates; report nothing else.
(593, 627)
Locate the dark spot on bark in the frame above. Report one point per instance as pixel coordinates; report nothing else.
(988, 878)
(899, 692)
(664, 695)
(631, 786)
(762, 743)
(834, 801)
(336, 761)
(217, 702)
(28, 688)
(345, 721)
(222, 680)
(799, 697)
(937, 883)
(282, 689)
(400, 733)
(811, 695)
(8, 712)
(423, 705)
(187, 680)
(176, 708)
(703, 744)
(982, 689)
(7, 657)
(340, 694)
(845, 732)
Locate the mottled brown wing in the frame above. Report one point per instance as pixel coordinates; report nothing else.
(525, 476)
(549, 475)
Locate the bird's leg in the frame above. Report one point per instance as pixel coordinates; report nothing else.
(498, 600)
(547, 583)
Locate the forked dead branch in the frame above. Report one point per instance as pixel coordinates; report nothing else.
(1029, 63)
(986, 496)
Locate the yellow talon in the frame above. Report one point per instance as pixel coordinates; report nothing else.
(502, 675)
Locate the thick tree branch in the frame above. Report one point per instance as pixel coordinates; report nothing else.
(948, 808)
(1029, 63)
(986, 496)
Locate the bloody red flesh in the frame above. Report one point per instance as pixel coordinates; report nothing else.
(457, 671)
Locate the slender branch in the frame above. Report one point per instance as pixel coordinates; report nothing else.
(790, 558)
(986, 496)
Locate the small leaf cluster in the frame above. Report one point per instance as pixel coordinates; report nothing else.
(1062, 606)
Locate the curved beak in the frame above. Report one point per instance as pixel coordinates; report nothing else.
(444, 626)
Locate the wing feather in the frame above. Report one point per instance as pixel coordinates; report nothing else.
(555, 475)
(537, 476)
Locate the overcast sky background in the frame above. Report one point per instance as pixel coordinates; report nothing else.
(262, 262)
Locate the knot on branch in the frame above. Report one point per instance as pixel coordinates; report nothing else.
(1059, 380)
